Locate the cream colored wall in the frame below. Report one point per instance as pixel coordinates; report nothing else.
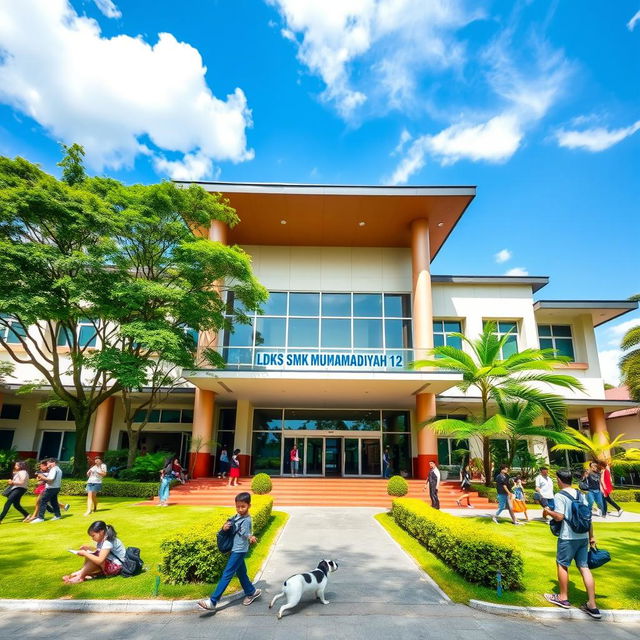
(627, 425)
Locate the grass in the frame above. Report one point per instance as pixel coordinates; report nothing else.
(35, 557)
(616, 583)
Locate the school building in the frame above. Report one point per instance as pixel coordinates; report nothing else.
(325, 366)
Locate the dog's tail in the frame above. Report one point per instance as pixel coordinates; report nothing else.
(276, 597)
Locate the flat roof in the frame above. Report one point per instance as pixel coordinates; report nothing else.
(312, 215)
(536, 282)
(601, 310)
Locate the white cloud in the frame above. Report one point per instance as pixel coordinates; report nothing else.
(632, 23)
(594, 139)
(609, 369)
(395, 39)
(193, 166)
(405, 137)
(117, 96)
(614, 333)
(503, 256)
(108, 8)
(517, 271)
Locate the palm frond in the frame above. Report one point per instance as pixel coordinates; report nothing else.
(554, 379)
(631, 338)
(453, 427)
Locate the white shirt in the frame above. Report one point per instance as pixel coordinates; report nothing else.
(116, 550)
(55, 474)
(94, 476)
(544, 486)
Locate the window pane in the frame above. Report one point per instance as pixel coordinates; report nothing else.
(304, 304)
(505, 327)
(15, 332)
(454, 341)
(242, 336)
(237, 356)
(10, 412)
(368, 305)
(396, 305)
(193, 334)
(227, 421)
(443, 451)
(186, 416)
(303, 332)
(87, 336)
(565, 347)
(510, 347)
(140, 416)
(50, 447)
(452, 325)
(63, 337)
(270, 332)
(395, 334)
(328, 420)
(6, 438)
(400, 451)
(170, 415)
(336, 304)
(276, 305)
(395, 421)
(56, 413)
(233, 305)
(367, 334)
(68, 445)
(336, 333)
(562, 330)
(267, 419)
(459, 451)
(546, 343)
(266, 453)
(438, 339)
(438, 325)
(544, 330)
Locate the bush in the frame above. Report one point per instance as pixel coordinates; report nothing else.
(116, 458)
(146, 468)
(397, 486)
(261, 484)
(619, 495)
(110, 488)
(626, 495)
(191, 554)
(476, 555)
(7, 458)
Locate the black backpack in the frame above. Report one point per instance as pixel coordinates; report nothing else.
(132, 563)
(224, 539)
(579, 518)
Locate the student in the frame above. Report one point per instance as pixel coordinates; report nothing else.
(433, 483)
(571, 546)
(235, 563)
(544, 486)
(166, 476)
(49, 498)
(518, 494)
(234, 473)
(224, 462)
(594, 490)
(94, 484)
(177, 471)
(38, 490)
(465, 485)
(19, 484)
(504, 495)
(294, 459)
(105, 559)
(386, 463)
(606, 486)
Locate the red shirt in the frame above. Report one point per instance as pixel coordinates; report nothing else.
(293, 455)
(606, 481)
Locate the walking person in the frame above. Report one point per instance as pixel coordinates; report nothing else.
(234, 472)
(572, 546)
(294, 459)
(49, 499)
(594, 489)
(224, 462)
(465, 485)
(94, 484)
(544, 489)
(386, 463)
(166, 476)
(503, 486)
(18, 487)
(235, 564)
(433, 483)
(38, 490)
(519, 500)
(606, 486)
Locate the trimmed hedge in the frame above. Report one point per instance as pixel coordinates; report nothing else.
(619, 495)
(473, 553)
(110, 488)
(397, 486)
(191, 554)
(261, 484)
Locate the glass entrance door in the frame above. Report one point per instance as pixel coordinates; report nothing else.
(351, 457)
(313, 458)
(370, 457)
(333, 457)
(286, 455)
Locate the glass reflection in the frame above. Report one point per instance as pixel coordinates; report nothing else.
(329, 420)
(336, 333)
(367, 305)
(367, 334)
(304, 304)
(303, 332)
(336, 304)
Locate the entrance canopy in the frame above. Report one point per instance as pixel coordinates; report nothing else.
(320, 389)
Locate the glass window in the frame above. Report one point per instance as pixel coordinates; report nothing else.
(303, 332)
(10, 412)
(141, 415)
(367, 334)
(270, 332)
(396, 421)
(511, 345)
(241, 336)
(170, 415)
(57, 413)
(557, 337)
(193, 334)
(397, 334)
(399, 450)
(267, 419)
(6, 438)
(443, 451)
(336, 333)
(397, 305)
(304, 304)
(227, 420)
(336, 304)
(88, 336)
(367, 305)
(237, 356)
(234, 305)
(187, 416)
(442, 330)
(68, 445)
(265, 453)
(330, 420)
(50, 445)
(13, 332)
(371, 457)
(276, 305)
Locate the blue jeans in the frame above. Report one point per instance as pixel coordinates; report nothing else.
(595, 496)
(235, 566)
(387, 469)
(503, 503)
(165, 484)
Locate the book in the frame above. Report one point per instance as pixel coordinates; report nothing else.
(76, 551)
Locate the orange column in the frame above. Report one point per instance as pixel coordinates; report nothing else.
(202, 434)
(102, 428)
(598, 423)
(423, 340)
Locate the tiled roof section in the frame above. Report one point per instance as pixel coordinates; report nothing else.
(617, 393)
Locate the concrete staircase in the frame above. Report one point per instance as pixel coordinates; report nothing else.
(313, 492)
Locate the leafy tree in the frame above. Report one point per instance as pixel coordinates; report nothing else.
(106, 278)
(630, 362)
(601, 450)
(6, 369)
(516, 378)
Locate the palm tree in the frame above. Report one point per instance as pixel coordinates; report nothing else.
(630, 362)
(516, 378)
(600, 450)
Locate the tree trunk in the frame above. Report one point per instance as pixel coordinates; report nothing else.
(134, 436)
(486, 460)
(513, 445)
(82, 419)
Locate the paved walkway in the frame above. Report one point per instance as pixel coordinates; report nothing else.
(377, 593)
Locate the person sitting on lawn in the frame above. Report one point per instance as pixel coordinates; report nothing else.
(106, 559)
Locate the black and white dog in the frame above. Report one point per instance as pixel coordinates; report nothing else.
(301, 583)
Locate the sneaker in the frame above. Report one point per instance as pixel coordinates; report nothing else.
(620, 512)
(594, 613)
(249, 599)
(494, 519)
(57, 518)
(517, 522)
(554, 598)
(37, 520)
(67, 507)
(470, 506)
(207, 603)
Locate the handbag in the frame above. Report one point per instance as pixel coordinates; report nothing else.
(519, 506)
(7, 490)
(597, 557)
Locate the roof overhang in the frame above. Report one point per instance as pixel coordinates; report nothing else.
(535, 282)
(320, 389)
(601, 311)
(333, 215)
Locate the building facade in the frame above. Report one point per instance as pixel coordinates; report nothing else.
(326, 364)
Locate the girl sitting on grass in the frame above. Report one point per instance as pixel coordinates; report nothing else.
(105, 559)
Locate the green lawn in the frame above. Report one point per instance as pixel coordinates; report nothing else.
(35, 556)
(616, 583)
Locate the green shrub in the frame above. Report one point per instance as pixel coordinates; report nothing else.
(626, 495)
(110, 488)
(397, 486)
(619, 495)
(116, 458)
(191, 554)
(475, 554)
(261, 484)
(146, 468)
(7, 458)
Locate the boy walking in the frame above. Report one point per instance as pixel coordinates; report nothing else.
(504, 495)
(571, 546)
(235, 563)
(49, 498)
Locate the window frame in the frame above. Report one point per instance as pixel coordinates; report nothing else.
(500, 334)
(554, 338)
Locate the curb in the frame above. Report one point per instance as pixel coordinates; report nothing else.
(554, 613)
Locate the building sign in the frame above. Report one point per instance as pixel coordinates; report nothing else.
(329, 360)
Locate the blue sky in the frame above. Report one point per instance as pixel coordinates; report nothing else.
(537, 103)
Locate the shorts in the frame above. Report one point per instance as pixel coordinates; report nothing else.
(503, 501)
(96, 487)
(235, 472)
(569, 550)
(110, 568)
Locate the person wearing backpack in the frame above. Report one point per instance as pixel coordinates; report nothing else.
(571, 519)
(241, 527)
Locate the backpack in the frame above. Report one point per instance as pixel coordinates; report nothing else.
(579, 518)
(224, 539)
(132, 562)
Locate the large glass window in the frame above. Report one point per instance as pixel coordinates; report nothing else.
(267, 419)
(336, 305)
(266, 452)
(10, 412)
(452, 451)
(57, 444)
(6, 438)
(12, 331)
(304, 304)
(503, 328)
(87, 335)
(270, 332)
(276, 305)
(558, 337)
(442, 330)
(58, 413)
(336, 333)
(367, 305)
(330, 420)
(303, 332)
